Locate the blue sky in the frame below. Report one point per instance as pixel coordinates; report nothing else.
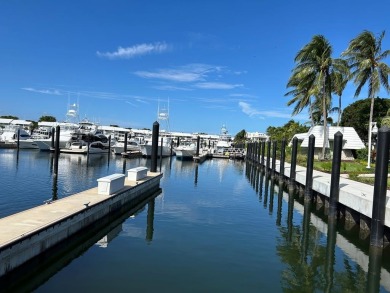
(216, 62)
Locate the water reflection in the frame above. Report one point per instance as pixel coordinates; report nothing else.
(271, 195)
(290, 214)
(330, 255)
(280, 199)
(124, 166)
(374, 269)
(196, 174)
(261, 186)
(309, 247)
(150, 221)
(55, 188)
(32, 275)
(266, 190)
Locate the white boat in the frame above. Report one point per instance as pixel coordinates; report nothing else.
(119, 146)
(82, 147)
(69, 130)
(184, 152)
(29, 143)
(224, 141)
(165, 140)
(165, 149)
(10, 137)
(67, 133)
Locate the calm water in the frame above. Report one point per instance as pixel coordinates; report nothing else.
(216, 227)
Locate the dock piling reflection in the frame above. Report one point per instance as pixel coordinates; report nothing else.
(150, 221)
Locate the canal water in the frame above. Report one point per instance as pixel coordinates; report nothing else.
(220, 226)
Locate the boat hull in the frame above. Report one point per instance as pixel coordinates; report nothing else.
(28, 144)
(146, 151)
(119, 148)
(45, 144)
(183, 154)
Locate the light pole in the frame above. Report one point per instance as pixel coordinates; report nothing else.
(373, 130)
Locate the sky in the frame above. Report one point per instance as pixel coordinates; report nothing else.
(209, 63)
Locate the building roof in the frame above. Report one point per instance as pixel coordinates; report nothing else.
(14, 121)
(351, 140)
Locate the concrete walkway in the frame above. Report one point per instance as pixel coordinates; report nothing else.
(24, 223)
(355, 195)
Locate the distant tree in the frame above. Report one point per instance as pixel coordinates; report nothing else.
(240, 137)
(9, 117)
(286, 131)
(47, 119)
(386, 120)
(357, 115)
(33, 126)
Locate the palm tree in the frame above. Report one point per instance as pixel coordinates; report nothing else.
(340, 78)
(365, 57)
(313, 74)
(317, 111)
(301, 95)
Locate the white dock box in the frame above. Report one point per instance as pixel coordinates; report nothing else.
(137, 173)
(111, 184)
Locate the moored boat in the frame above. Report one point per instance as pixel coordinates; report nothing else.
(224, 141)
(119, 146)
(165, 149)
(185, 152)
(82, 147)
(9, 138)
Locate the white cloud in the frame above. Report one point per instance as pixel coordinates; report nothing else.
(248, 110)
(130, 103)
(188, 73)
(47, 92)
(251, 111)
(134, 51)
(217, 85)
(172, 88)
(172, 75)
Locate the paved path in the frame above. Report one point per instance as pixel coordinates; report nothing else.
(353, 194)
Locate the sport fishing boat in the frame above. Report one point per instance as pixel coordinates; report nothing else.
(224, 141)
(185, 152)
(165, 140)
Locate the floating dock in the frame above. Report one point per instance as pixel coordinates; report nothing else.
(131, 154)
(31, 233)
(201, 158)
(6, 145)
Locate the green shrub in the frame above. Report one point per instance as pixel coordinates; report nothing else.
(362, 154)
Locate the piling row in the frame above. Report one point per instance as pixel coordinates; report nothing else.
(347, 199)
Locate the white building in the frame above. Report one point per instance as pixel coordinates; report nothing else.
(256, 136)
(351, 140)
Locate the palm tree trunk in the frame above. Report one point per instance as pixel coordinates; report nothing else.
(339, 118)
(369, 132)
(325, 117)
(311, 114)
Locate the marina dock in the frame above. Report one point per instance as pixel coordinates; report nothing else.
(30, 233)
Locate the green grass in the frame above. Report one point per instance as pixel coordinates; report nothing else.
(352, 168)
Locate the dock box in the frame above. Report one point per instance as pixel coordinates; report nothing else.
(137, 173)
(111, 184)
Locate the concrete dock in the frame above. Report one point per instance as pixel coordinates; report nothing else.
(355, 198)
(30, 233)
